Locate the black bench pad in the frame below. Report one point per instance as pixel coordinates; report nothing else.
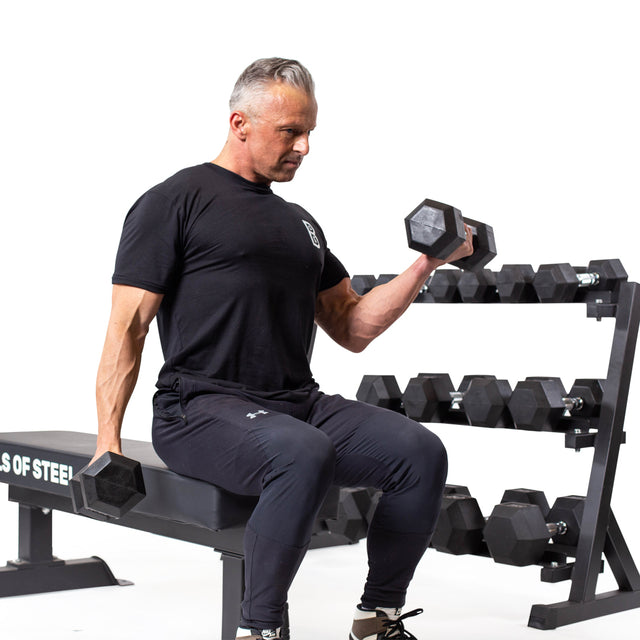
(46, 460)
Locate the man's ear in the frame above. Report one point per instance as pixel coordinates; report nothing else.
(239, 123)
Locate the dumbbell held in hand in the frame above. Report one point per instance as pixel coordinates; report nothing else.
(437, 230)
(110, 486)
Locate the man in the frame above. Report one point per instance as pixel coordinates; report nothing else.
(236, 277)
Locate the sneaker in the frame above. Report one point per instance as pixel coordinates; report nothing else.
(381, 623)
(256, 634)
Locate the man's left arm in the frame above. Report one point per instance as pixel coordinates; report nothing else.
(353, 321)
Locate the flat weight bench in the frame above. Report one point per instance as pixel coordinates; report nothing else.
(38, 465)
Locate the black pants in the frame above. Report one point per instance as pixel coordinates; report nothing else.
(289, 449)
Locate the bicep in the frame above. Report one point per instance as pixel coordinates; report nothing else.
(333, 309)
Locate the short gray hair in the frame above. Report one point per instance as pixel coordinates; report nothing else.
(254, 80)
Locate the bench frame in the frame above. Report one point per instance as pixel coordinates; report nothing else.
(37, 570)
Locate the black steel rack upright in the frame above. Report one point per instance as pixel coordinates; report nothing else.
(599, 532)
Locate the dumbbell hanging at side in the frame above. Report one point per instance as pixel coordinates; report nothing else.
(109, 487)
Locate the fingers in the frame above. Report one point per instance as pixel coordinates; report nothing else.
(464, 250)
(468, 243)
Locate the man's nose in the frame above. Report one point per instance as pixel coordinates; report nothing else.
(301, 145)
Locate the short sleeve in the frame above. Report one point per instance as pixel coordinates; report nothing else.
(332, 273)
(149, 250)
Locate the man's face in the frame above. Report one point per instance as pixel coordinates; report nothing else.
(277, 134)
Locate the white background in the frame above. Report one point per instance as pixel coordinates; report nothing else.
(521, 114)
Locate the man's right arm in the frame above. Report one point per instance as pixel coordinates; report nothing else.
(132, 310)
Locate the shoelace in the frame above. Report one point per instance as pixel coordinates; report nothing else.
(395, 628)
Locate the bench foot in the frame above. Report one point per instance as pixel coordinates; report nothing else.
(22, 578)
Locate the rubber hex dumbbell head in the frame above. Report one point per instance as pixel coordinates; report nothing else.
(478, 286)
(111, 486)
(362, 284)
(591, 391)
(537, 404)
(527, 496)
(459, 526)
(485, 402)
(515, 283)
(427, 397)
(380, 391)
(435, 228)
(457, 489)
(568, 509)
(516, 534)
(611, 273)
(556, 283)
(443, 285)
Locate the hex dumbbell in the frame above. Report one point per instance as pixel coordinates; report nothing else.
(480, 400)
(561, 282)
(437, 230)
(518, 533)
(460, 524)
(539, 404)
(110, 486)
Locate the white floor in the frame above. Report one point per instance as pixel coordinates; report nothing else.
(177, 590)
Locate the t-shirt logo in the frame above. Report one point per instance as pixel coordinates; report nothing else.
(312, 234)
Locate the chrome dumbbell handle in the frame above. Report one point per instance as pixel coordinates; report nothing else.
(588, 279)
(573, 404)
(557, 528)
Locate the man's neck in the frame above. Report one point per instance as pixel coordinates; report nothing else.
(229, 161)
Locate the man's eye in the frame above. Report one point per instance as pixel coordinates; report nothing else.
(296, 132)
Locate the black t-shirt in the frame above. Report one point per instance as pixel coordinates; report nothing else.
(240, 269)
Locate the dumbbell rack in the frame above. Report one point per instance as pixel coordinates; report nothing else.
(599, 531)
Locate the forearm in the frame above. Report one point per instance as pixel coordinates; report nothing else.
(376, 311)
(116, 380)
(131, 313)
